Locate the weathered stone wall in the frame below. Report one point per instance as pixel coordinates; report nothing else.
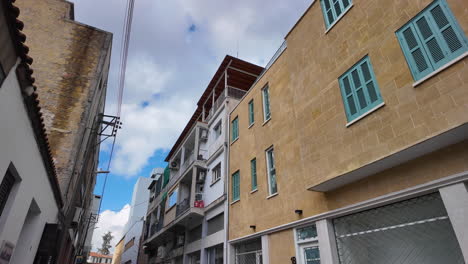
(67, 67)
(308, 124)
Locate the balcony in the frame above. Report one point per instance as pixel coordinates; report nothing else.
(229, 92)
(182, 207)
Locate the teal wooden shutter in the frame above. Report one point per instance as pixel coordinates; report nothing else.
(251, 112)
(266, 102)
(235, 186)
(415, 54)
(332, 9)
(235, 129)
(253, 168)
(359, 89)
(431, 39)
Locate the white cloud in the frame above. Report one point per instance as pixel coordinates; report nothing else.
(170, 66)
(113, 221)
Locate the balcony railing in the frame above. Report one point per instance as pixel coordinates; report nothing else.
(182, 207)
(231, 92)
(156, 227)
(235, 92)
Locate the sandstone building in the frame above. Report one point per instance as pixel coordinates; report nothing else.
(358, 151)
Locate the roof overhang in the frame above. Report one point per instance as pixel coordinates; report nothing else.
(450, 137)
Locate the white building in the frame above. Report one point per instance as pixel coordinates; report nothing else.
(186, 216)
(29, 194)
(134, 227)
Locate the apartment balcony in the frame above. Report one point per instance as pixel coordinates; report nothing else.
(229, 92)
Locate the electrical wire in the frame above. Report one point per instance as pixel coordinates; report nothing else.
(127, 28)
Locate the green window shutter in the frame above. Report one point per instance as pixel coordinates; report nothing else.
(359, 89)
(235, 186)
(266, 103)
(432, 39)
(253, 169)
(235, 129)
(251, 112)
(333, 9)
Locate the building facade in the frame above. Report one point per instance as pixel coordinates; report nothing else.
(30, 198)
(134, 227)
(352, 146)
(118, 249)
(97, 258)
(186, 214)
(71, 69)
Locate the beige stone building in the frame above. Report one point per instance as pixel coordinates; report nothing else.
(351, 147)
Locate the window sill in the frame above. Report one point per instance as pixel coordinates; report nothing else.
(253, 191)
(366, 114)
(251, 125)
(213, 183)
(450, 63)
(266, 121)
(272, 195)
(238, 200)
(338, 18)
(234, 140)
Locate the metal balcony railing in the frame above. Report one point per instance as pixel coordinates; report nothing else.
(182, 207)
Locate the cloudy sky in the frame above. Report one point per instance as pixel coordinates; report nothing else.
(176, 47)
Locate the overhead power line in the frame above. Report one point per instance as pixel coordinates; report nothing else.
(127, 29)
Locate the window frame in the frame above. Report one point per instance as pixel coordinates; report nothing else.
(176, 191)
(270, 170)
(216, 173)
(253, 175)
(266, 101)
(301, 245)
(251, 112)
(233, 186)
(344, 10)
(370, 105)
(217, 129)
(235, 128)
(421, 44)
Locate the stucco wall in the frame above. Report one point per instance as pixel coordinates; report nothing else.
(18, 146)
(132, 252)
(308, 124)
(281, 246)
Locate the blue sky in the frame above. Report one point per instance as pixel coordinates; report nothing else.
(175, 48)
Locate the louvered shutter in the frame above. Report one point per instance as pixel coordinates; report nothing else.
(414, 52)
(445, 26)
(5, 189)
(235, 186)
(266, 102)
(253, 168)
(251, 112)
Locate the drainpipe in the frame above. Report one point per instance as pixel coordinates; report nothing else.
(226, 186)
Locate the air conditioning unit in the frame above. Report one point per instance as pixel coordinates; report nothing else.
(180, 240)
(162, 252)
(174, 165)
(204, 134)
(201, 176)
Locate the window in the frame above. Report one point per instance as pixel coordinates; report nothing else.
(215, 254)
(307, 245)
(215, 224)
(333, 10)
(249, 252)
(271, 171)
(173, 198)
(253, 172)
(359, 90)
(5, 188)
(235, 186)
(235, 129)
(217, 130)
(266, 104)
(216, 173)
(431, 39)
(251, 112)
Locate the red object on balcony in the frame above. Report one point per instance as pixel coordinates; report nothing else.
(199, 204)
